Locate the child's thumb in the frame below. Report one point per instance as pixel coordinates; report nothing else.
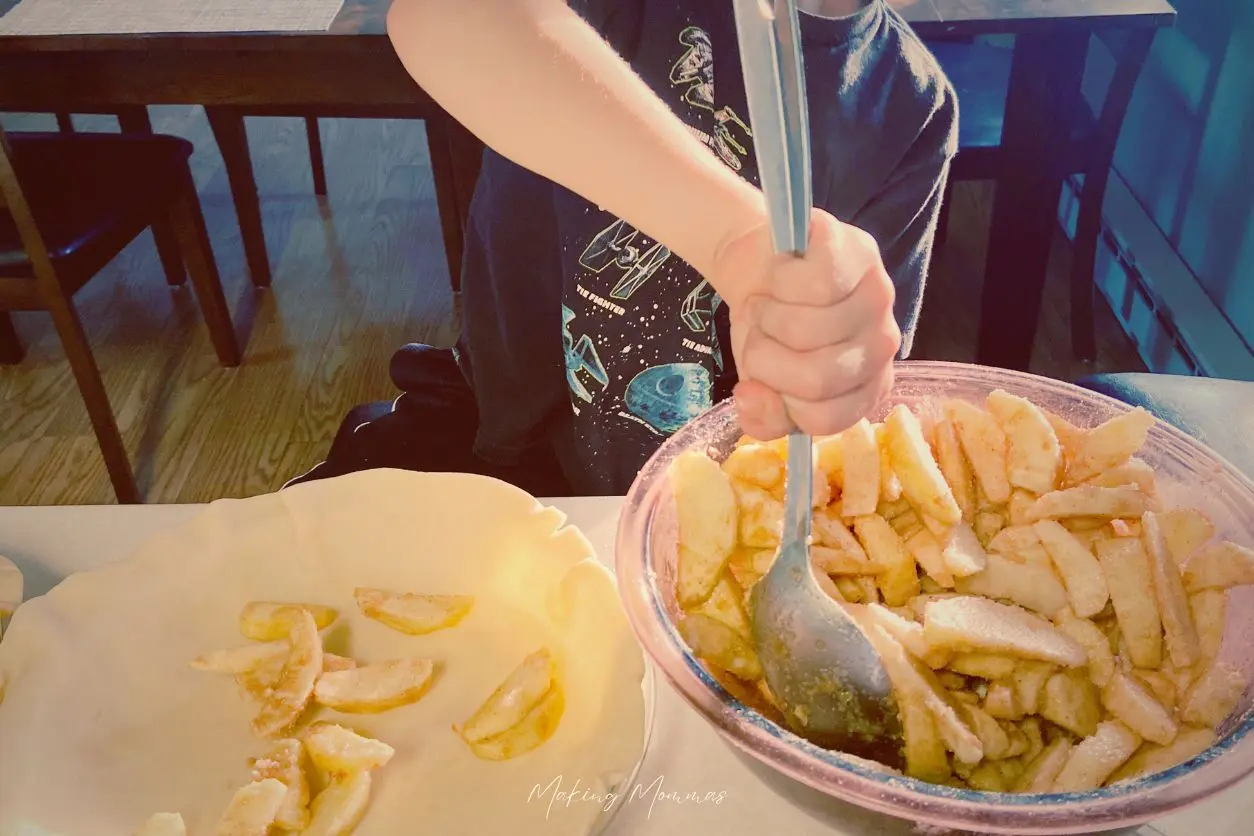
(762, 413)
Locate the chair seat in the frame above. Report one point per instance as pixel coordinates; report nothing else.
(980, 74)
(86, 188)
(1219, 413)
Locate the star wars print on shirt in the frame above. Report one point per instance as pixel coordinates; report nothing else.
(642, 350)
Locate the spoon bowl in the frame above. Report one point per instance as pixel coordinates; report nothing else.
(818, 663)
(821, 667)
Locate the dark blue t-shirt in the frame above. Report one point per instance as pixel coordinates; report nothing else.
(581, 332)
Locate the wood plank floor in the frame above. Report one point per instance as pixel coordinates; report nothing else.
(355, 276)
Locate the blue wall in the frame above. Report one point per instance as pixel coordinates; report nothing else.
(1187, 149)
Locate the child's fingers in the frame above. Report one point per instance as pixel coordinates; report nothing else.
(764, 415)
(824, 373)
(808, 328)
(839, 258)
(842, 412)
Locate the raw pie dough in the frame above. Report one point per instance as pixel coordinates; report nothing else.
(105, 724)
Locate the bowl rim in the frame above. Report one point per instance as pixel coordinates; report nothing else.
(863, 782)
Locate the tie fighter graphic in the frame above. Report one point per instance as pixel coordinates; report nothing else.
(697, 312)
(581, 356)
(615, 245)
(730, 149)
(695, 68)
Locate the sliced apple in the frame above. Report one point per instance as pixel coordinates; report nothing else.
(410, 613)
(241, 659)
(1219, 566)
(339, 807)
(953, 464)
(1213, 696)
(973, 624)
(291, 693)
(921, 479)
(1110, 444)
(340, 751)
(1150, 759)
(285, 762)
(1131, 702)
(376, 687)
(714, 643)
(1078, 567)
(1185, 530)
(1179, 631)
(253, 808)
(332, 663)
(1033, 454)
(725, 604)
(985, 444)
(1043, 770)
(706, 507)
(258, 682)
(860, 462)
(268, 620)
(513, 699)
(1095, 758)
(533, 730)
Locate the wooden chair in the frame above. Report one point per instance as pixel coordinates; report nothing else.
(455, 155)
(65, 124)
(980, 72)
(135, 119)
(69, 203)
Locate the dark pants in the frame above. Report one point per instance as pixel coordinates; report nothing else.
(431, 428)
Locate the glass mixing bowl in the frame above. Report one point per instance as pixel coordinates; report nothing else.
(1188, 475)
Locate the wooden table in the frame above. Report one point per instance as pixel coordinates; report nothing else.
(348, 71)
(351, 71)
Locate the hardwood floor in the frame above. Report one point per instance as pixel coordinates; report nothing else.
(355, 276)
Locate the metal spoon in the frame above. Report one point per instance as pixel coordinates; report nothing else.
(817, 662)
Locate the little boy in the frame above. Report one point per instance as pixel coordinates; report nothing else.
(619, 278)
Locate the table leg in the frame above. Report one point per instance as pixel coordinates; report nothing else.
(1044, 88)
(316, 161)
(11, 349)
(446, 198)
(135, 120)
(232, 137)
(466, 152)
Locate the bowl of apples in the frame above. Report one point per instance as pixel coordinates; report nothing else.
(1061, 589)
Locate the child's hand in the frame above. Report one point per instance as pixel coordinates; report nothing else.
(814, 338)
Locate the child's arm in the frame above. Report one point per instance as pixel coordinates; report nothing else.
(533, 81)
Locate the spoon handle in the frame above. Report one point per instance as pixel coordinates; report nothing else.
(770, 55)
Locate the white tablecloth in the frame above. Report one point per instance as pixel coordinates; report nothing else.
(685, 756)
(98, 17)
